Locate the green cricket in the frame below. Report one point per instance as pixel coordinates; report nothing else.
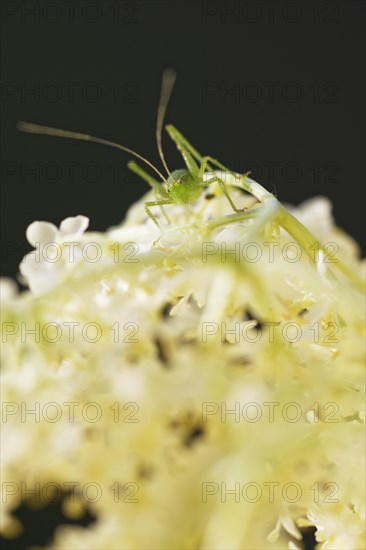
(182, 186)
(186, 185)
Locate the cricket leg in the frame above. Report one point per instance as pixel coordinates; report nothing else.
(183, 149)
(181, 141)
(156, 203)
(242, 177)
(222, 185)
(134, 167)
(157, 186)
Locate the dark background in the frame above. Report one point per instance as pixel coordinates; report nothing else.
(272, 86)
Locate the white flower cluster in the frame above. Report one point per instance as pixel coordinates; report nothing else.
(199, 387)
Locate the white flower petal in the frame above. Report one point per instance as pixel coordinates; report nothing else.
(41, 233)
(316, 215)
(75, 225)
(41, 276)
(156, 374)
(8, 289)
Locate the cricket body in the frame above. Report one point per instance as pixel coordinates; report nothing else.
(182, 186)
(186, 185)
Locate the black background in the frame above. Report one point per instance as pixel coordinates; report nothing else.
(272, 86)
(275, 87)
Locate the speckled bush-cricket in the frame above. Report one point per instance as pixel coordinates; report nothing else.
(186, 185)
(182, 186)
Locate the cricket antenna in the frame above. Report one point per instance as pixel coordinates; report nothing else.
(48, 130)
(167, 84)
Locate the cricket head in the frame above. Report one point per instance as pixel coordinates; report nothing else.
(182, 187)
